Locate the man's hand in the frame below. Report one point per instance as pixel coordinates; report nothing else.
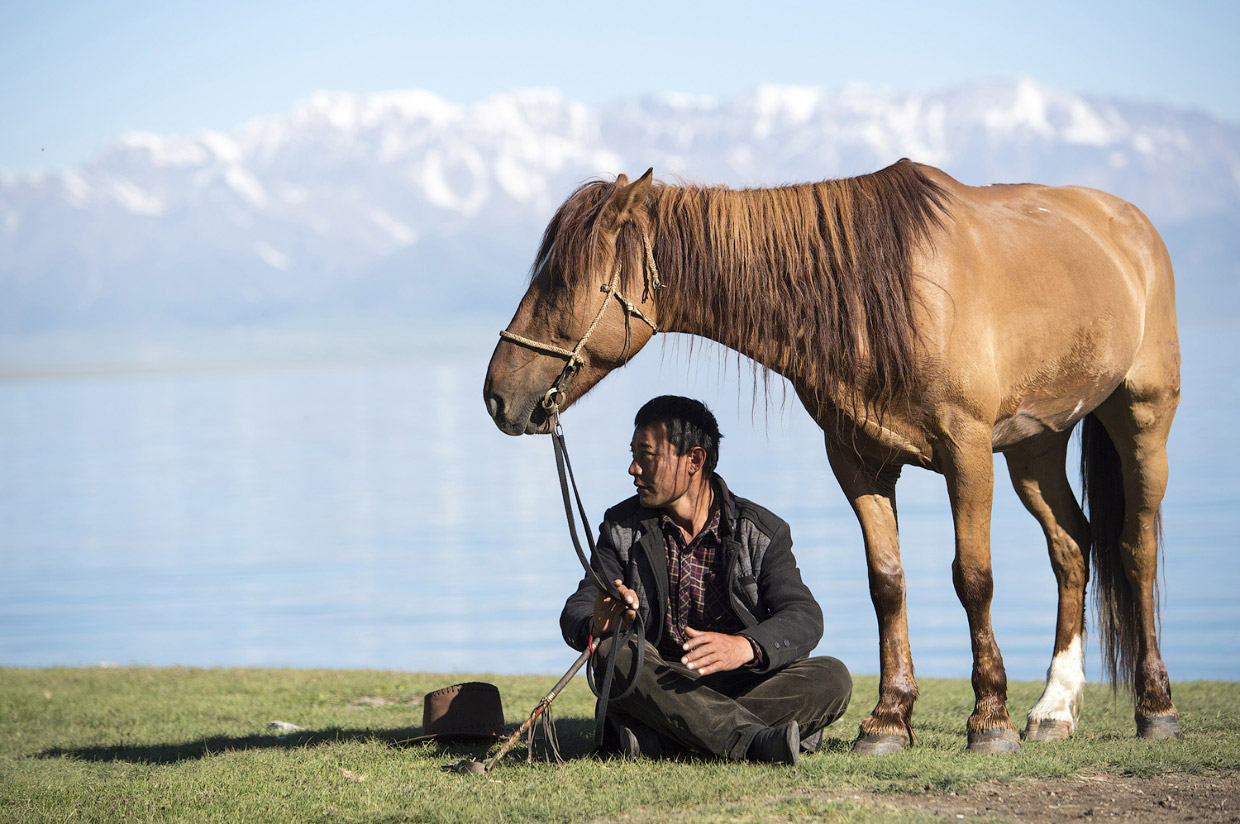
(715, 652)
(607, 610)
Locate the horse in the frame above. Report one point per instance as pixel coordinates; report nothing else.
(923, 322)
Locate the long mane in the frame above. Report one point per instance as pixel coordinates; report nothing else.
(814, 280)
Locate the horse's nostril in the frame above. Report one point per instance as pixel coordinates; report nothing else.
(493, 406)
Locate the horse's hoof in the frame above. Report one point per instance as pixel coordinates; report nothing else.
(1000, 739)
(1159, 726)
(879, 743)
(1048, 729)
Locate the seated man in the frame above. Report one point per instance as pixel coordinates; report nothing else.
(728, 621)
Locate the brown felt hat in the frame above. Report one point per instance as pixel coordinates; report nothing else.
(461, 712)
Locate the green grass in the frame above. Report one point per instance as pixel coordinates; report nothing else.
(117, 744)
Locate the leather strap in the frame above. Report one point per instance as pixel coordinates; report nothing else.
(620, 635)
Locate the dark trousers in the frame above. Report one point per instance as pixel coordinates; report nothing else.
(719, 714)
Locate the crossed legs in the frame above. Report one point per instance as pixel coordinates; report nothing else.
(719, 714)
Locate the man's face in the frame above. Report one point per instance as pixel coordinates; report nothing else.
(660, 475)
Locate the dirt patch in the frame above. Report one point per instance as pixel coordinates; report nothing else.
(1159, 799)
(367, 702)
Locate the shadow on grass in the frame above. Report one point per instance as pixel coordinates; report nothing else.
(835, 745)
(576, 738)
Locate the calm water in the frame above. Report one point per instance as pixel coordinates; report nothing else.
(371, 516)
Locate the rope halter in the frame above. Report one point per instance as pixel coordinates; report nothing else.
(550, 401)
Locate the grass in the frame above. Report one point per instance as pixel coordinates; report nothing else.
(113, 744)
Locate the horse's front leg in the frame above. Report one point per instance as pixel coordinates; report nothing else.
(969, 470)
(872, 492)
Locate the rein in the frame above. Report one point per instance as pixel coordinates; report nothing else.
(568, 483)
(619, 636)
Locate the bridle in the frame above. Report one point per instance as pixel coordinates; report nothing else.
(559, 388)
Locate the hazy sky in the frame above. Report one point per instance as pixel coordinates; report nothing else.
(74, 75)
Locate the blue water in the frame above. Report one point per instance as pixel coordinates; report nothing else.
(369, 515)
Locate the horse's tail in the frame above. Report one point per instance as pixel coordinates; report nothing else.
(1102, 491)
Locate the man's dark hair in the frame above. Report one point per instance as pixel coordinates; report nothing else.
(689, 424)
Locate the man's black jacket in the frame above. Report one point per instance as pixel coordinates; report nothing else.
(764, 584)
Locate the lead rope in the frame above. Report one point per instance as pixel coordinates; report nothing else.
(620, 636)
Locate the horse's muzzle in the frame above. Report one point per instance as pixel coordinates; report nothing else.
(534, 422)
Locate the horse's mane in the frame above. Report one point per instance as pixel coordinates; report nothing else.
(813, 279)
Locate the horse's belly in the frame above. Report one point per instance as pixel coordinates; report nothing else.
(1033, 420)
(1034, 413)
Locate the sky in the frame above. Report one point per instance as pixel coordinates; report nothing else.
(75, 75)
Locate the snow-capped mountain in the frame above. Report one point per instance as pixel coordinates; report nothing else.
(405, 203)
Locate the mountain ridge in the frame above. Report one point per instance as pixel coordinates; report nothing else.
(404, 203)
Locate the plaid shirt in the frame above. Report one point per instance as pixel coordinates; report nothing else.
(697, 592)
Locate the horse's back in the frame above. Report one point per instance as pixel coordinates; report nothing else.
(1053, 294)
(1054, 231)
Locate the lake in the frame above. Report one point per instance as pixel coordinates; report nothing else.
(366, 513)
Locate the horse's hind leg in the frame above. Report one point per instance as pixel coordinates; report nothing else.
(1038, 475)
(1137, 418)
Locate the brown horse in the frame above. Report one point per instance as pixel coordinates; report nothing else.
(921, 321)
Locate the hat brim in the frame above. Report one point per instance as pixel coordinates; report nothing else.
(454, 735)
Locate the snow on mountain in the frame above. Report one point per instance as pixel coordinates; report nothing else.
(403, 202)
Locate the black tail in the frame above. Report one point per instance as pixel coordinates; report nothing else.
(1102, 491)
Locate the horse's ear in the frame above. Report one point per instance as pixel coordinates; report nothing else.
(626, 199)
